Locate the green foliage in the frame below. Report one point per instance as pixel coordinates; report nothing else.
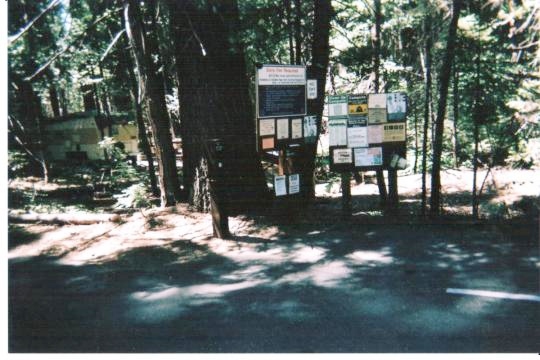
(18, 163)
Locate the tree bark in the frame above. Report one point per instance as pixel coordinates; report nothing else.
(455, 112)
(214, 102)
(144, 48)
(287, 4)
(144, 143)
(320, 51)
(444, 80)
(298, 31)
(383, 195)
(427, 108)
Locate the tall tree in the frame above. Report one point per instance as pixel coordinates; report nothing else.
(215, 102)
(444, 80)
(318, 70)
(427, 106)
(376, 41)
(145, 51)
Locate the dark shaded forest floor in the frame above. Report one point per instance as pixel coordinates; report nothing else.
(157, 281)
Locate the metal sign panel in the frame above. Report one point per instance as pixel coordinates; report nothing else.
(281, 90)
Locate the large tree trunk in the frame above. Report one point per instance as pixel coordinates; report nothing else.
(215, 103)
(376, 69)
(320, 51)
(455, 112)
(444, 80)
(298, 31)
(144, 48)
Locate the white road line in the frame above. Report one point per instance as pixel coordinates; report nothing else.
(494, 294)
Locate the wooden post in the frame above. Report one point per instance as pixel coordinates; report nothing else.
(393, 198)
(346, 193)
(282, 162)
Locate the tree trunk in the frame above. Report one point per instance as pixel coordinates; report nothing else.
(27, 127)
(55, 104)
(476, 134)
(444, 80)
(376, 69)
(298, 31)
(455, 94)
(427, 108)
(144, 48)
(320, 51)
(416, 135)
(144, 144)
(214, 102)
(287, 4)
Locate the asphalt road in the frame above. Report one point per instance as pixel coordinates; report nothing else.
(346, 288)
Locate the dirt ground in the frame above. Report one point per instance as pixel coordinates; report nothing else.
(306, 281)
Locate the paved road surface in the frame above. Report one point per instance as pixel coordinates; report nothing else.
(344, 288)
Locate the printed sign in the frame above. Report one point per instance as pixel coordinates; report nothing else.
(312, 89)
(377, 101)
(337, 105)
(296, 128)
(282, 129)
(376, 116)
(281, 75)
(394, 132)
(310, 128)
(368, 156)
(357, 120)
(338, 131)
(294, 184)
(396, 106)
(358, 105)
(280, 185)
(267, 127)
(375, 134)
(281, 91)
(342, 156)
(357, 137)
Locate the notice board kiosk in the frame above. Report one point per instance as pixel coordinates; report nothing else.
(283, 126)
(366, 132)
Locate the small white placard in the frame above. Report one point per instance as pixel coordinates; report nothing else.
(310, 126)
(338, 132)
(267, 127)
(296, 128)
(368, 156)
(294, 184)
(280, 185)
(342, 156)
(312, 89)
(377, 101)
(282, 129)
(375, 134)
(357, 137)
(339, 109)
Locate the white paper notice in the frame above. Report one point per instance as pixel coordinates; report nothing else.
(377, 101)
(338, 132)
(397, 106)
(282, 129)
(296, 128)
(310, 126)
(357, 137)
(338, 109)
(294, 184)
(280, 185)
(368, 156)
(342, 156)
(375, 134)
(312, 89)
(267, 127)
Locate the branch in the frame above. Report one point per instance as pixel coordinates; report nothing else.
(113, 42)
(15, 37)
(79, 38)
